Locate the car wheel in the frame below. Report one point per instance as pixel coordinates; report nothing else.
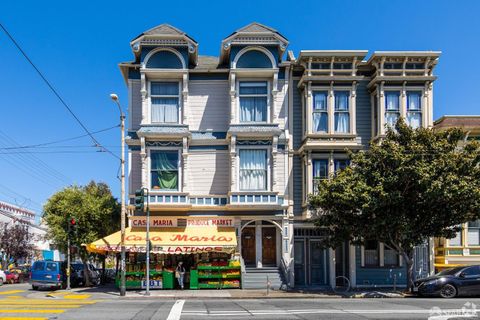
(1, 281)
(448, 291)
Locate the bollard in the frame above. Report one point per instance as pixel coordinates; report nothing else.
(394, 282)
(268, 286)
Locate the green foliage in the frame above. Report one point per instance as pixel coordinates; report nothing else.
(413, 185)
(96, 211)
(16, 241)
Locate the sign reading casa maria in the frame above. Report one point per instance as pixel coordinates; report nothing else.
(162, 222)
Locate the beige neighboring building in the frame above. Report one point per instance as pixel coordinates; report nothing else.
(464, 249)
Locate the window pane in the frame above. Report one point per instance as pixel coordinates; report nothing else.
(165, 110)
(253, 109)
(473, 237)
(342, 122)
(390, 256)
(457, 241)
(392, 99)
(414, 119)
(320, 122)
(253, 169)
(341, 100)
(474, 224)
(341, 164)
(413, 101)
(253, 87)
(391, 118)
(164, 88)
(320, 168)
(164, 169)
(320, 101)
(371, 253)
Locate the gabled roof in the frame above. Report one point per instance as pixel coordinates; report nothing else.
(255, 34)
(164, 30)
(466, 122)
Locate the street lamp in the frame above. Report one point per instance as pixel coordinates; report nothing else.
(122, 219)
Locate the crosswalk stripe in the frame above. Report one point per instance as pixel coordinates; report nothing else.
(77, 296)
(64, 306)
(11, 292)
(22, 318)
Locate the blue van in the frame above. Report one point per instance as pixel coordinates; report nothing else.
(47, 273)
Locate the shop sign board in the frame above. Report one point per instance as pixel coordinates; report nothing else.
(154, 284)
(175, 222)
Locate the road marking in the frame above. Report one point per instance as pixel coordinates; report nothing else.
(22, 318)
(77, 296)
(11, 292)
(14, 297)
(31, 311)
(176, 310)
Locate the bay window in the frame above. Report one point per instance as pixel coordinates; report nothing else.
(341, 164)
(164, 169)
(392, 107)
(320, 111)
(473, 233)
(253, 101)
(320, 172)
(253, 169)
(342, 113)
(414, 109)
(164, 102)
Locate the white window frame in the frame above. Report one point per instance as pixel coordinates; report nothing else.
(179, 166)
(268, 150)
(179, 96)
(381, 258)
(320, 112)
(269, 99)
(399, 91)
(467, 243)
(331, 110)
(421, 110)
(462, 238)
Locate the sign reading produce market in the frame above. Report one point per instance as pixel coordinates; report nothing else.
(174, 222)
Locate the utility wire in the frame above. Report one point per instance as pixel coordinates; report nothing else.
(57, 141)
(95, 141)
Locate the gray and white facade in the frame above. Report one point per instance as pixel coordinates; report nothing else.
(245, 135)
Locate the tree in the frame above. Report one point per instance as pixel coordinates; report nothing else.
(413, 185)
(15, 241)
(96, 212)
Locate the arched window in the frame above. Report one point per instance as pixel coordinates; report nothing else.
(254, 59)
(164, 59)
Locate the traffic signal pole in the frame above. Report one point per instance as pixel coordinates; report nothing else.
(68, 262)
(147, 292)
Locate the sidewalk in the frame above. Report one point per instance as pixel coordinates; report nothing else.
(111, 292)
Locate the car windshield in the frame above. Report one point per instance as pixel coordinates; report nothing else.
(449, 272)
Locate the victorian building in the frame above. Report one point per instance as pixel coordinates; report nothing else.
(240, 140)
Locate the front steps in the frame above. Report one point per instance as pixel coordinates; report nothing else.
(256, 278)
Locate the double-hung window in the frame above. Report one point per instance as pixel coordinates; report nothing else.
(340, 164)
(457, 240)
(342, 113)
(164, 169)
(253, 169)
(473, 233)
(320, 111)
(164, 102)
(390, 256)
(392, 107)
(414, 109)
(253, 101)
(320, 172)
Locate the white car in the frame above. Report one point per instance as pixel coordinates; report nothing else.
(3, 277)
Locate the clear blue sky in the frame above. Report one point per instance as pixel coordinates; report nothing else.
(78, 45)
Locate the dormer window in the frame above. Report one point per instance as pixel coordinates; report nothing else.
(164, 102)
(253, 101)
(392, 107)
(342, 113)
(414, 109)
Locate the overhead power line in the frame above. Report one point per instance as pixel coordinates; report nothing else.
(55, 92)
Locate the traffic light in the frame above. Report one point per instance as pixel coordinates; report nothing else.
(139, 199)
(72, 226)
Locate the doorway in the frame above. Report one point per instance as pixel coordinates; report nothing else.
(269, 246)
(248, 247)
(318, 259)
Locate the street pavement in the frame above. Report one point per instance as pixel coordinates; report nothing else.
(20, 302)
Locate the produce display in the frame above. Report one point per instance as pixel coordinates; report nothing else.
(217, 275)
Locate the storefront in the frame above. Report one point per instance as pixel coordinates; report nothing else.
(207, 247)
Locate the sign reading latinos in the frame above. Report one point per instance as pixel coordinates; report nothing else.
(189, 222)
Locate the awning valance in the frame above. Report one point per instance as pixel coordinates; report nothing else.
(170, 241)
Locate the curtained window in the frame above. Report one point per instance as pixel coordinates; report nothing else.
(320, 172)
(253, 169)
(164, 101)
(164, 169)
(341, 164)
(253, 101)
(342, 113)
(414, 109)
(473, 233)
(320, 113)
(392, 107)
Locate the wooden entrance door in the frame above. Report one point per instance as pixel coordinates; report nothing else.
(248, 246)
(269, 246)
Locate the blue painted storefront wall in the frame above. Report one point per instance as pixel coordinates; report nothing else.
(380, 276)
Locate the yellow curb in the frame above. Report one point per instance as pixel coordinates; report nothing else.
(77, 296)
(14, 297)
(27, 306)
(31, 311)
(11, 292)
(43, 302)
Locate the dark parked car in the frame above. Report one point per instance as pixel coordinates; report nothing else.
(92, 272)
(459, 281)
